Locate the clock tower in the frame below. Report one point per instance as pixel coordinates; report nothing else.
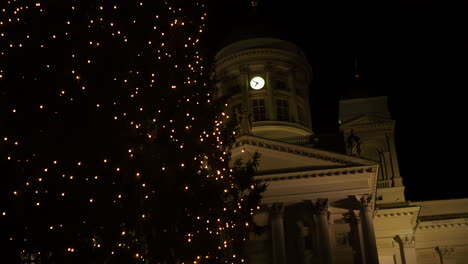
(266, 81)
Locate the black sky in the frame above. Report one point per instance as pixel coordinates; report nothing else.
(413, 52)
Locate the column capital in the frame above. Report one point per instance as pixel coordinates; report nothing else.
(321, 218)
(367, 224)
(445, 251)
(320, 205)
(276, 208)
(365, 201)
(407, 240)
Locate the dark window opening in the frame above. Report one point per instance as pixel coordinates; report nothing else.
(301, 115)
(258, 106)
(299, 91)
(282, 110)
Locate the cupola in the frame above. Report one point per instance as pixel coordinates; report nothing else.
(266, 82)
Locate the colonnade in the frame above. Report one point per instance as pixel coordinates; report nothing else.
(319, 209)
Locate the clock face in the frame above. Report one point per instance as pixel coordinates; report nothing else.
(257, 83)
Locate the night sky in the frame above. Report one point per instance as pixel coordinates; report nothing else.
(415, 53)
(78, 77)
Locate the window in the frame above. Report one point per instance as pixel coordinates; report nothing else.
(258, 106)
(299, 91)
(301, 115)
(282, 110)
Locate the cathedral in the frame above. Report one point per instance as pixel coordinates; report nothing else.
(328, 200)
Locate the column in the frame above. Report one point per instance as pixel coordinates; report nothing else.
(396, 178)
(244, 80)
(367, 225)
(356, 240)
(321, 214)
(393, 153)
(300, 241)
(292, 102)
(270, 103)
(246, 114)
(277, 234)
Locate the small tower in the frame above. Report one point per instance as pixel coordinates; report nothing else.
(266, 81)
(369, 133)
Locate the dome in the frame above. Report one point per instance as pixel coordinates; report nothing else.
(252, 28)
(280, 108)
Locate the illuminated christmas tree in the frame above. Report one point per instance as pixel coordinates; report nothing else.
(112, 148)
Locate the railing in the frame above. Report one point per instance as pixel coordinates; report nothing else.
(384, 184)
(302, 140)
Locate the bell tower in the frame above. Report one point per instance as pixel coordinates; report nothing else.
(369, 132)
(266, 82)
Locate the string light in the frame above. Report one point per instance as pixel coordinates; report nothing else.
(122, 95)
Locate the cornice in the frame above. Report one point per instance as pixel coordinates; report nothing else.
(287, 56)
(368, 127)
(301, 150)
(317, 173)
(440, 225)
(411, 212)
(396, 214)
(442, 217)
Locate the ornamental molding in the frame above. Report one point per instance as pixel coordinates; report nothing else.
(440, 226)
(302, 151)
(258, 51)
(319, 206)
(364, 123)
(407, 240)
(370, 127)
(412, 213)
(365, 201)
(318, 173)
(396, 214)
(278, 55)
(445, 251)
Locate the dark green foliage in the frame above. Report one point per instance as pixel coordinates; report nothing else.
(101, 156)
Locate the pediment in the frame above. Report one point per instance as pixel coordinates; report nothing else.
(279, 156)
(367, 120)
(368, 123)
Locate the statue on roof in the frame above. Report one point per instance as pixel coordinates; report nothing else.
(245, 121)
(354, 144)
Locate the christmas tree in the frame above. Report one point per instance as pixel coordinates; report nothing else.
(112, 147)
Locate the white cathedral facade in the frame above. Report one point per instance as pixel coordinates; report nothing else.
(322, 205)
